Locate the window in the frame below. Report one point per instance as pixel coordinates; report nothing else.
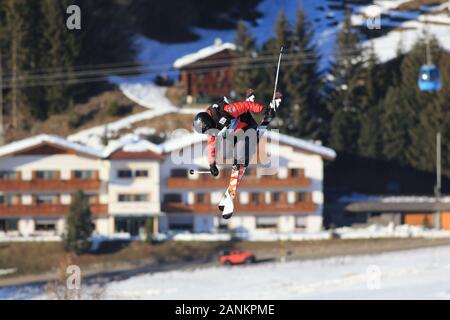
(125, 174)
(173, 197)
(181, 222)
(141, 197)
(46, 199)
(131, 225)
(9, 199)
(295, 173)
(84, 174)
(301, 196)
(92, 198)
(300, 222)
(200, 198)
(46, 174)
(45, 224)
(8, 175)
(250, 172)
(223, 226)
(255, 198)
(266, 222)
(8, 225)
(141, 173)
(179, 173)
(125, 198)
(276, 197)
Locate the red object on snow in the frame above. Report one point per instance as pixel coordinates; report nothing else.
(229, 257)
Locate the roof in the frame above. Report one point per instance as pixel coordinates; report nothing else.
(397, 207)
(308, 146)
(217, 47)
(398, 204)
(133, 147)
(27, 143)
(128, 147)
(180, 142)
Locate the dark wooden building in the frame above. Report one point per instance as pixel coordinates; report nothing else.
(207, 73)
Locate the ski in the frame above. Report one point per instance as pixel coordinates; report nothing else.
(226, 204)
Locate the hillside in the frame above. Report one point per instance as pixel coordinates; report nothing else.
(400, 21)
(99, 110)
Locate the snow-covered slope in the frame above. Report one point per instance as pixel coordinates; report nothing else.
(415, 274)
(403, 27)
(325, 17)
(412, 274)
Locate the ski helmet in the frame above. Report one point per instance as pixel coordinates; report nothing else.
(203, 122)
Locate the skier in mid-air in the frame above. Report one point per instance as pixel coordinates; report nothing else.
(227, 119)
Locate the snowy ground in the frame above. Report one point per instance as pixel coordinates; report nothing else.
(411, 274)
(415, 274)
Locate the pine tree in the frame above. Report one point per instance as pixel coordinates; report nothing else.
(16, 26)
(370, 135)
(344, 100)
(35, 95)
(395, 123)
(303, 109)
(369, 140)
(244, 73)
(61, 54)
(78, 225)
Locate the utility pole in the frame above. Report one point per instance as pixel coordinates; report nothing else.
(437, 190)
(2, 132)
(14, 113)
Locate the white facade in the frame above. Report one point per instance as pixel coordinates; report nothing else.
(289, 156)
(148, 186)
(134, 189)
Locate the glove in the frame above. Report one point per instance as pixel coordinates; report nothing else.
(250, 95)
(214, 170)
(277, 101)
(270, 113)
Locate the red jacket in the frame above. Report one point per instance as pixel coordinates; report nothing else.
(234, 109)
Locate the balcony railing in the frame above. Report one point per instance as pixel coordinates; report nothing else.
(261, 208)
(48, 185)
(247, 182)
(54, 210)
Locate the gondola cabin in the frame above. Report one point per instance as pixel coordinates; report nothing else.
(429, 78)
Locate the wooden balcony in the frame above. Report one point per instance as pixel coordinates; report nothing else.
(49, 185)
(248, 182)
(262, 208)
(53, 210)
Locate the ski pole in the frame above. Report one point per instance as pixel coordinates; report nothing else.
(278, 71)
(192, 171)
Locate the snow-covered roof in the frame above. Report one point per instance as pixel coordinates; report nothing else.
(358, 197)
(217, 47)
(179, 142)
(305, 145)
(131, 143)
(47, 138)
